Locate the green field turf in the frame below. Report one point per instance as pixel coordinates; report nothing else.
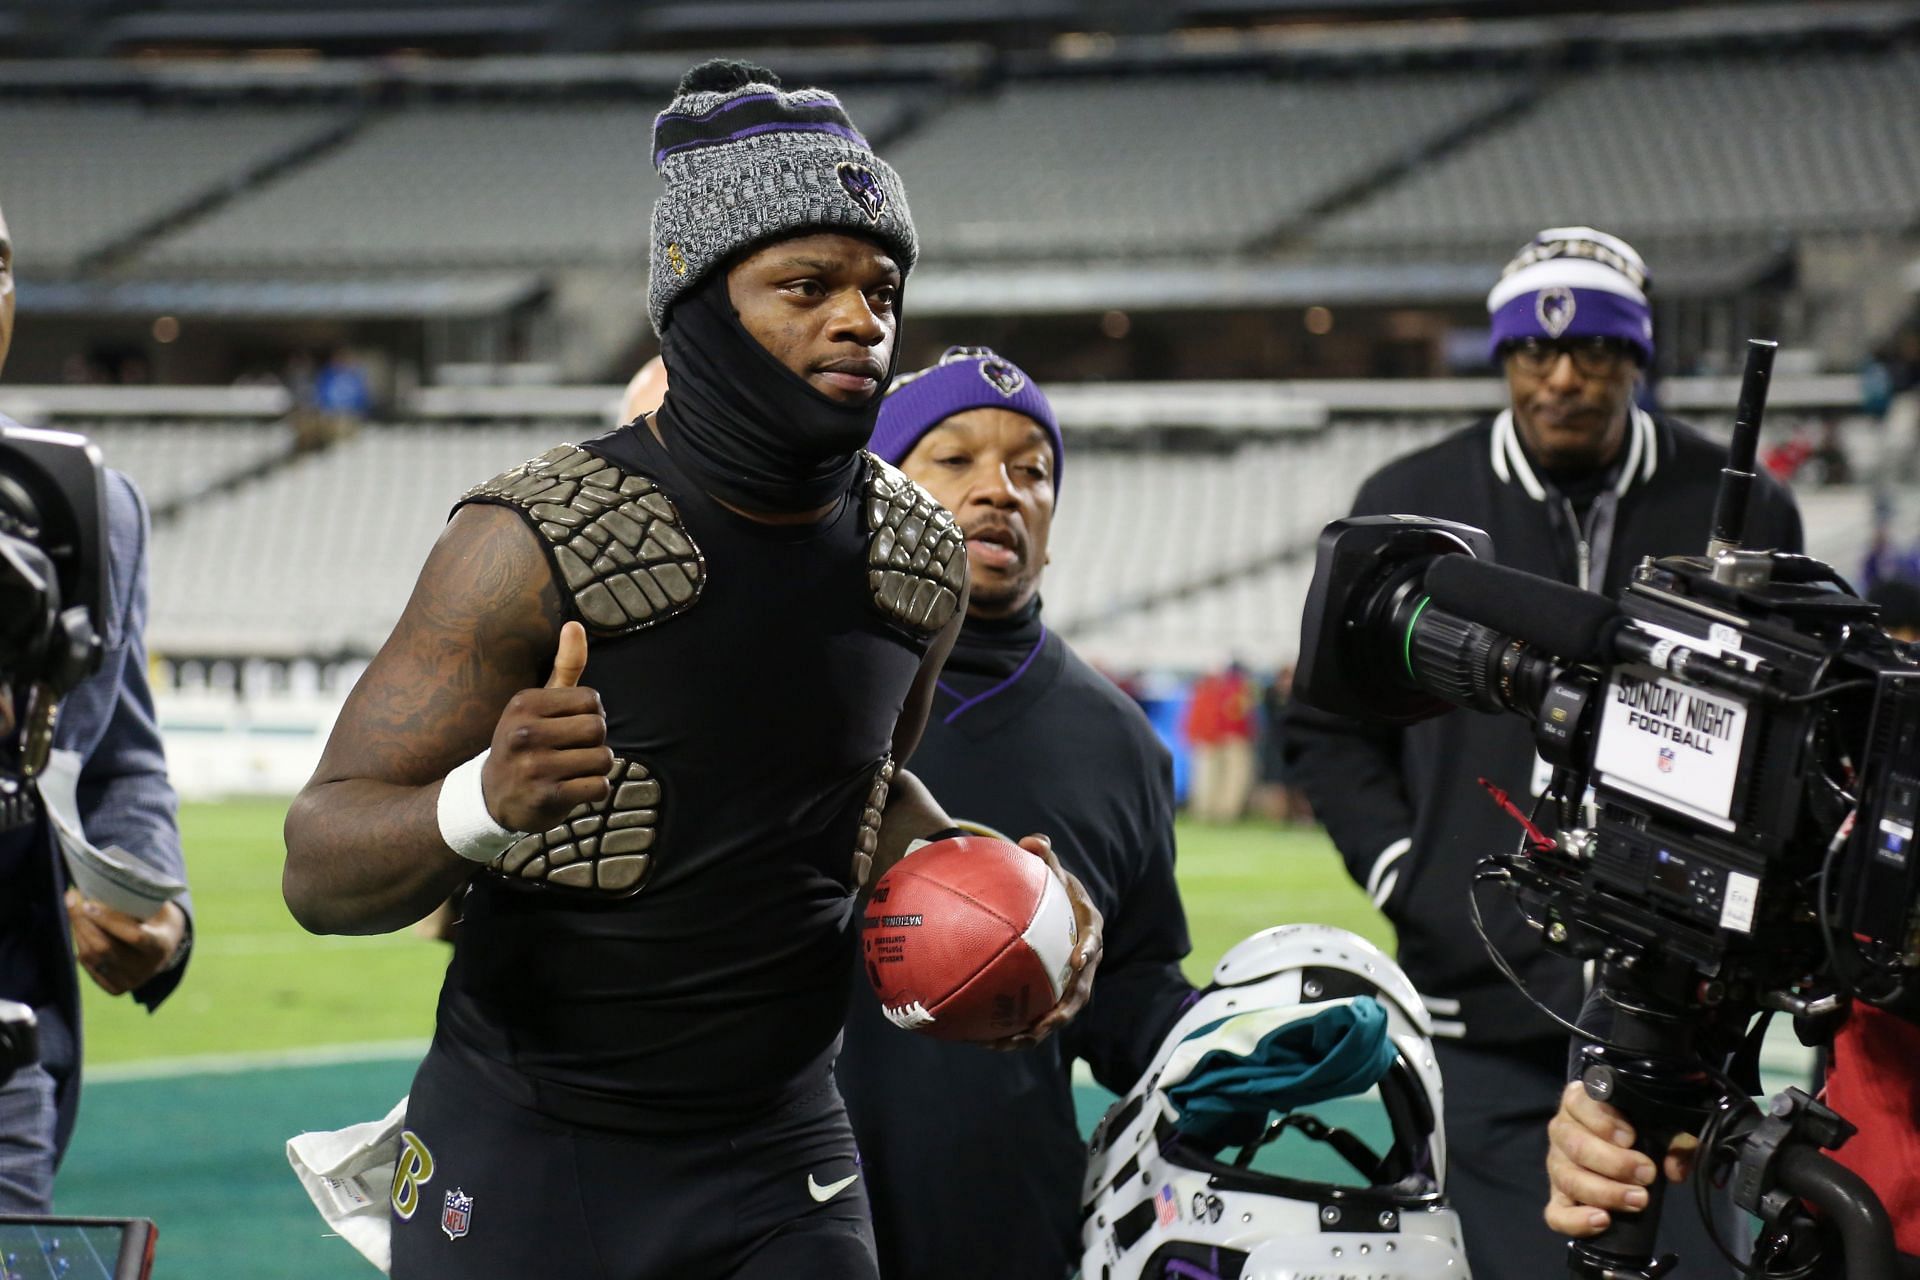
(259, 983)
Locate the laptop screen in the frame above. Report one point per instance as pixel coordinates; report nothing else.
(75, 1248)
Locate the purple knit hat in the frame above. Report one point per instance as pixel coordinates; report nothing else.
(1573, 282)
(966, 378)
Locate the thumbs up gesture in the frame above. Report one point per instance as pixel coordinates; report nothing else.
(550, 746)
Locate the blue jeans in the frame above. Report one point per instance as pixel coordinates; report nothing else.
(27, 1156)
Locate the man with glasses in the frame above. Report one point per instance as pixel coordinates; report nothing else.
(1574, 481)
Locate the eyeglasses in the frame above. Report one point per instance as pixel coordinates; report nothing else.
(1594, 357)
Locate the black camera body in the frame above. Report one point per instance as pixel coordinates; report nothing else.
(1753, 810)
(1734, 739)
(53, 556)
(53, 591)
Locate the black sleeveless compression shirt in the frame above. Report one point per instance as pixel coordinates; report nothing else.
(752, 679)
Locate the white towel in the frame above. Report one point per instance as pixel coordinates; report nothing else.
(348, 1174)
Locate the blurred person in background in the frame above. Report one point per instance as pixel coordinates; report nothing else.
(974, 1159)
(342, 397)
(107, 751)
(1221, 725)
(1275, 797)
(1574, 482)
(645, 390)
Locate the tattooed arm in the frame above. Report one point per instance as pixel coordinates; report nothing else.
(364, 852)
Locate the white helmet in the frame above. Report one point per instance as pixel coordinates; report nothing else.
(1160, 1203)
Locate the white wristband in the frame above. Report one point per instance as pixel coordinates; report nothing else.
(465, 824)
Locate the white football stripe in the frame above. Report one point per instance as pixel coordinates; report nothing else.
(1051, 933)
(908, 1017)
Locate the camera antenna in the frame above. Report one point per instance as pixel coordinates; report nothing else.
(1736, 478)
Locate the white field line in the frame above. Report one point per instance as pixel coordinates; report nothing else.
(217, 1064)
(274, 944)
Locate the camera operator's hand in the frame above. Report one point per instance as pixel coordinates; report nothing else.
(1593, 1167)
(120, 952)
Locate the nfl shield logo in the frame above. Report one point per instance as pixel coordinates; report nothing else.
(458, 1214)
(1666, 760)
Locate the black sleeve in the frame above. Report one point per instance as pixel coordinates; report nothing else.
(1351, 772)
(1139, 990)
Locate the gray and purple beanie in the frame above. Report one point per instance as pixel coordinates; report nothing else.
(743, 162)
(1573, 282)
(966, 378)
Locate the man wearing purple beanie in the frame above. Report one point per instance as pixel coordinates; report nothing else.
(973, 1160)
(1574, 481)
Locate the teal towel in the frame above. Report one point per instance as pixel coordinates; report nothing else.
(1226, 1099)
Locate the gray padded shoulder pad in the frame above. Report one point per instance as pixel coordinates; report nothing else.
(615, 540)
(605, 848)
(916, 558)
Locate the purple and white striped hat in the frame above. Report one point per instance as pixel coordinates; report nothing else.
(743, 162)
(966, 378)
(1573, 282)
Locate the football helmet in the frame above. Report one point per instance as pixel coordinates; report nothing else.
(1164, 1200)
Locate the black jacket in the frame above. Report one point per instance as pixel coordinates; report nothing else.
(973, 1158)
(1403, 805)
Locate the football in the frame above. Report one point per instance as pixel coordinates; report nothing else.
(968, 939)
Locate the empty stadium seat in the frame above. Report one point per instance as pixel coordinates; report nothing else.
(76, 177)
(495, 184)
(318, 557)
(174, 461)
(1163, 164)
(1728, 145)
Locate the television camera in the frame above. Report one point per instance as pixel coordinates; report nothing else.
(1727, 832)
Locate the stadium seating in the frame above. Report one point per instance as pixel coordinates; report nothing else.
(461, 186)
(1156, 165)
(76, 177)
(318, 557)
(1163, 164)
(1816, 141)
(1137, 527)
(499, 184)
(173, 462)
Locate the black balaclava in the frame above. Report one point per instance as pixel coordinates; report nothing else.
(997, 646)
(753, 433)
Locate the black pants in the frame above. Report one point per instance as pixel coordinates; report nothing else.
(1498, 1101)
(488, 1190)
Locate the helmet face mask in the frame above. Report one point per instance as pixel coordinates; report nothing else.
(1160, 1203)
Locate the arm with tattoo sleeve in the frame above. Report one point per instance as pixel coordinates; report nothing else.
(459, 673)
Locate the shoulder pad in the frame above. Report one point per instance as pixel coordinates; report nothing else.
(615, 540)
(916, 558)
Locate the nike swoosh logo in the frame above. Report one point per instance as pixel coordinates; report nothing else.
(832, 1189)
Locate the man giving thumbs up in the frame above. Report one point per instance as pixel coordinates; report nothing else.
(631, 1074)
